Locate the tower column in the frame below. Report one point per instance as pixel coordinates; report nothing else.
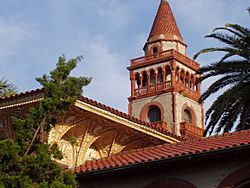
(132, 79)
(172, 77)
(141, 77)
(148, 81)
(156, 80)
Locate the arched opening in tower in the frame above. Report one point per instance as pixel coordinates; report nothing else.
(154, 114)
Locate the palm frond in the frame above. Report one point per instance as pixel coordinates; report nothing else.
(219, 84)
(244, 117)
(239, 28)
(232, 70)
(6, 88)
(227, 28)
(229, 117)
(222, 105)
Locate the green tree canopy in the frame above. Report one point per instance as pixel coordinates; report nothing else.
(233, 73)
(26, 160)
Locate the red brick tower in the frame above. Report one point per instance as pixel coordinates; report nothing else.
(163, 89)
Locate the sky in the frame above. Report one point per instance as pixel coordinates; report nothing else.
(107, 33)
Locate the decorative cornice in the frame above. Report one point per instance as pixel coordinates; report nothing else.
(20, 102)
(124, 121)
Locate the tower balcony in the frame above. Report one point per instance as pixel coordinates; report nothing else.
(190, 131)
(161, 125)
(163, 56)
(152, 89)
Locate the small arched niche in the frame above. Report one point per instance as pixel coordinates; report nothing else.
(155, 50)
(154, 114)
(187, 116)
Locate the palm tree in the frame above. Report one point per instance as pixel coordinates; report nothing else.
(6, 89)
(231, 110)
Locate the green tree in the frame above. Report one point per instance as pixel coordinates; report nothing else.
(26, 160)
(233, 74)
(6, 89)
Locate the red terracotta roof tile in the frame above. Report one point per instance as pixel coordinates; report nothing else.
(165, 23)
(184, 148)
(22, 94)
(128, 158)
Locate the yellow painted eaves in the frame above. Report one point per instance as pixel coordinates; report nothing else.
(124, 121)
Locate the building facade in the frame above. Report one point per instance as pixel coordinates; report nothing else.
(160, 142)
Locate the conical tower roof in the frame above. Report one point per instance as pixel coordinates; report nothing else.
(164, 26)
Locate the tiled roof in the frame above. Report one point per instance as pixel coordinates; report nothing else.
(168, 151)
(22, 94)
(126, 116)
(164, 22)
(96, 104)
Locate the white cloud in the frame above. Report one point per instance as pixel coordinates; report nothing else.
(110, 84)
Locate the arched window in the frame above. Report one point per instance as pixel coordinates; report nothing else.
(182, 76)
(152, 77)
(160, 75)
(137, 80)
(187, 80)
(168, 73)
(155, 50)
(187, 117)
(144, 79)
(192, 82)
(154, 114)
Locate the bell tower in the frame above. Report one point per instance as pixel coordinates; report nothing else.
(163, 89)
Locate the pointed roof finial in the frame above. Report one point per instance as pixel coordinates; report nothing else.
(165, 24)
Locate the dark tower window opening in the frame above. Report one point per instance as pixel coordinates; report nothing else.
(182, 77)
(187, 80)
(187, 117)
(137, 80)
(154, 114)
(160, 75)
(168, 73)
(192, 83)
(155, 50)
(152, 77)
(144, 79)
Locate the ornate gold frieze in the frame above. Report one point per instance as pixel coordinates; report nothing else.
(125, 122)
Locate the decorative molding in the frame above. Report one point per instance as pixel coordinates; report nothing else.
(123, 121)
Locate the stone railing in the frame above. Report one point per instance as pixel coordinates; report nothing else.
(190, 131)
(165, 55)
(152, 88)
(160, 125)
